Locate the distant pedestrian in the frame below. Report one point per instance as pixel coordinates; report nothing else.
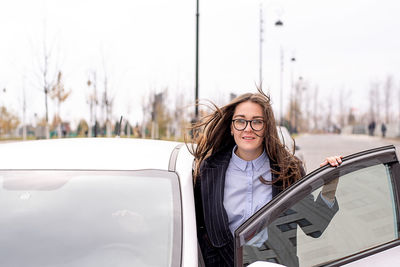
(383, 129)
(371, 128)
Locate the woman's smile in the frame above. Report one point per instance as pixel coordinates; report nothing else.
(248, 137)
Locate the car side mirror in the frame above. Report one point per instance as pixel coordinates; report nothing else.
(265, 264)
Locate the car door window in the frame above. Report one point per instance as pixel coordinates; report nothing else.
(304, 228)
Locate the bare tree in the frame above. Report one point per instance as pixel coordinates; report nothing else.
(146, 110)
(375, 102)
(46, 72)
(59, 95)
(329, 122)
(107, 103)
(344, 100)
(388, 92)
(296, 108)
(307, 107)
(93, 103)
(8, 121)
(23, 109)
(107, 98)
(160, 116)
(46, 84)
(179, 114)
(351, 119)
(164, 118)
(315, 108)
(82, 128)
(156, 115)
(372, 106)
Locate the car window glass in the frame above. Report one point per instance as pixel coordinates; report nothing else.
(315, 230)
(83, 218)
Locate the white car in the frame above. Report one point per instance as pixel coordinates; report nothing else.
(96, 202)
(129, 202)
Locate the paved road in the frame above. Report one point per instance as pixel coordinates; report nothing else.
(316, 147)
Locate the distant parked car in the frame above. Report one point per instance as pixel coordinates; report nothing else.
(289, 142)
(129, 202)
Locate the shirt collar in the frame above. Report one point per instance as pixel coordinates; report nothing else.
(241, 163)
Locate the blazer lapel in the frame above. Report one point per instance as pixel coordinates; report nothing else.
(212, 192)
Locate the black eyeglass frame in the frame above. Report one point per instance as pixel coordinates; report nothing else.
(247, 123)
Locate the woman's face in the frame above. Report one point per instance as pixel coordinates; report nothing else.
(248, 139)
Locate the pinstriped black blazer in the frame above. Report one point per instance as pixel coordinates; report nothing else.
(215, 238)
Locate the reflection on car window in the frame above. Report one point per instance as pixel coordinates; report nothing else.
(313, 216)
(362, 217)
(99, 218)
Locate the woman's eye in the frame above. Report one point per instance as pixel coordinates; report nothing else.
(257, 122)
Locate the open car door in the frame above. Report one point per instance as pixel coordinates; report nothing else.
(334, 216)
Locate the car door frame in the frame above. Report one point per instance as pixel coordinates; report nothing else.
(271, 211)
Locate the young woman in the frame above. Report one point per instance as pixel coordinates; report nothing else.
(240, 165)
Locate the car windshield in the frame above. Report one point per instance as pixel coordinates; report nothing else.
(89, 218)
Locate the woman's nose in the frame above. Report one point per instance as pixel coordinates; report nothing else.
(248, 127)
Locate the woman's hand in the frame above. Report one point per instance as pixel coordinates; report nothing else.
(329, 189)
(333, 161)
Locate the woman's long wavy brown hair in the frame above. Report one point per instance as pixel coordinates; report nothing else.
(212, 133)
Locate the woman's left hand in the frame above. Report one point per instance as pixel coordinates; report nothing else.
(333, 161)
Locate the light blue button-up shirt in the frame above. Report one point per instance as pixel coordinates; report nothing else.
(244, 194)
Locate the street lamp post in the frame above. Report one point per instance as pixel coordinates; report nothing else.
(292, 93)
(261, 41)
(279, 23)
(298, 88)
(196, 113)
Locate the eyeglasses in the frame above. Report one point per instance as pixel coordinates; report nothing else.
(241, 124)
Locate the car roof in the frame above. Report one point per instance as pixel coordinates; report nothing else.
(87, 154)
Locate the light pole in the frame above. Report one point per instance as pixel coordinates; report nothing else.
(4, 90)
(196, 97)
(279, 23)
(298, 88)
(261, 41)
(291, 106)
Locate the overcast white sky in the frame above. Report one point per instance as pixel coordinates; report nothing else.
(150, 45)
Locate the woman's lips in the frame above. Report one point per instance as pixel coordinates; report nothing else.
(248, 138)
